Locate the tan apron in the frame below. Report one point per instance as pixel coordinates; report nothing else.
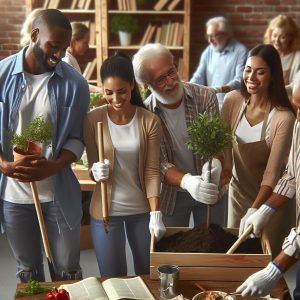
(250, 161)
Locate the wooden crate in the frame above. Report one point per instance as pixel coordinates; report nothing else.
(210, 266)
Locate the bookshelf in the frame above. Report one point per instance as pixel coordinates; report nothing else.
(87, 12)
(164, 21)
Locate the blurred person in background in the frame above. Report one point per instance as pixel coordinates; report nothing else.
(283, 33)
(222, 62)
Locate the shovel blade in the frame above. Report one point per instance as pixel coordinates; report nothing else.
(51, 270)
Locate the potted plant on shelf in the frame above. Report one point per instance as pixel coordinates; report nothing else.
(124, 25)
(28, 142)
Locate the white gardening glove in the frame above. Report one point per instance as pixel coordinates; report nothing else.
(156, 225)
(262, 282)
(216, 170)
(101, 170)
(200, 189)
(259, 219)
(249, 212)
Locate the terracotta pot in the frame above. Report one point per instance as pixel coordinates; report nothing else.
(32, 149)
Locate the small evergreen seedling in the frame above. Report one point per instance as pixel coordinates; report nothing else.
(208, 136)
(38, 131)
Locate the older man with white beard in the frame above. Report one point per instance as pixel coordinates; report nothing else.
(177, 103)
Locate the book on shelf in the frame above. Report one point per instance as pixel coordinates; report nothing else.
(73, 4)
(180, 35)
(87, 4)
(133, 5)
(91, 69)
(81, 4)
(158, 35)
(92, 34)
(46, 4)
(160, 4)
(173, 4)
(176, 32)
(110, 289)
(146, 33)
(53, 4)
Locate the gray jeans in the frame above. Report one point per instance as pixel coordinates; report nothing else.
(22, 230)
(186, 205)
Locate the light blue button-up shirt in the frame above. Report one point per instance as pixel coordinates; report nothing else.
(69, 101)
(222, 68)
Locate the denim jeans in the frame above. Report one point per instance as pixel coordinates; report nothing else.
(186, 205)
(296, 293)
(22, 230)
(110, 247)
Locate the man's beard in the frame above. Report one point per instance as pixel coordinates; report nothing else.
(41, 58)
(168, 99)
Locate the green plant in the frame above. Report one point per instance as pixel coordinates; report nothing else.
(38, 131)
(126, 23)
(208, 136)
(94, 99)
(32, 288)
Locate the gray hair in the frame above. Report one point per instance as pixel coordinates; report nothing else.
(223, 23)
(146, 54)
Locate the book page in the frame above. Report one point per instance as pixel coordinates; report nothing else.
(131, 288)
(86, 289)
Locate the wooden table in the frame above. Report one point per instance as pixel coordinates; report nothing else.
(186, 287)
(81, 173)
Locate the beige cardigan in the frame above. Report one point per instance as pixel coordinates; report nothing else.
(281, 132)
(149, 134)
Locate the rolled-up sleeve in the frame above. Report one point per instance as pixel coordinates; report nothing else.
(291, 244)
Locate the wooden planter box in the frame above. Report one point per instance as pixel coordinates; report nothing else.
(210, 266)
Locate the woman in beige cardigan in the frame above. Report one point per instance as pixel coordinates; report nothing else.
(131, 170)
(261, 118)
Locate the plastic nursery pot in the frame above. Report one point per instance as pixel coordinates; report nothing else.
(212, 295)
(33, 149)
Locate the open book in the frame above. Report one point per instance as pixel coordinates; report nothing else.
(110, 289)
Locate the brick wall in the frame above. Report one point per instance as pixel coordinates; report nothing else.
(12, 14)
(248, 18)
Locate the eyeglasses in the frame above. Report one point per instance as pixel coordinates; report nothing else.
(214, 36)
(162, 80)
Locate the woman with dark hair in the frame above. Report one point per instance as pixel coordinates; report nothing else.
(131, 170)
(261, 118)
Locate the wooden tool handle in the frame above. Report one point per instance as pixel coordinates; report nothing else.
(241, 239)
(102, 184)
(39, 213)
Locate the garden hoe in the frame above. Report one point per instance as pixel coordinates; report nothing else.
(103, 184)
(46, 244)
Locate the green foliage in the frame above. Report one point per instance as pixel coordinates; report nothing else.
(208, 136)
(126, 23)
(38, 131)
(94, 98)
(145, 92)
(32, 288)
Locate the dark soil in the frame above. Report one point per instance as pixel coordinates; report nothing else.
(202, 240)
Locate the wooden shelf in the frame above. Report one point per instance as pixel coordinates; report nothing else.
(148, 12)
(77, 11)
(136, 47)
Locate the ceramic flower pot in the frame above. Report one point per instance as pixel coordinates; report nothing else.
(125, 38)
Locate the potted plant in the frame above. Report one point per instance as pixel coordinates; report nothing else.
(124, 25)
(208, 136)
(28, 142)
